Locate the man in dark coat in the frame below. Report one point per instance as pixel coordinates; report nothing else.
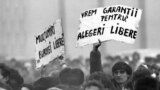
(121, 71)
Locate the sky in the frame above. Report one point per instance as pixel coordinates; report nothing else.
(21, 20)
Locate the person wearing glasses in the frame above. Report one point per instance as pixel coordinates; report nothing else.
(121, 71)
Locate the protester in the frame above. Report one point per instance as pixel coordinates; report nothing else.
(121, 74)
(121, 71)
(45, 83)
(11, 77)
(71, 79)
(141, 72)
(102, 78)
(146, 83)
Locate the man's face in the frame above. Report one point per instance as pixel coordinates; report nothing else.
(92, 88)
(120, 76)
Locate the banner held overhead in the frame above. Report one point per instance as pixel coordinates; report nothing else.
(116, 22)
(49, 45)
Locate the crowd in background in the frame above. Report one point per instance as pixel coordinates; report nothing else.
(90, 74)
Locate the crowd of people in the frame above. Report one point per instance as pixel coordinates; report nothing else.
(94, 75)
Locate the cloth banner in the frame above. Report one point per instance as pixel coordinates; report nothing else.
(116, 22)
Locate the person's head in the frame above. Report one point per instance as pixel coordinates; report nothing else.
(121, 72)
(15, 79)
(93, 85)
(4, 73)
(45, 83)
(101, 77)
(70, 76)
(146, 83)
(140, 73)
(11, 76)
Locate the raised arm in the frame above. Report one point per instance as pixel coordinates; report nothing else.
(95, 59)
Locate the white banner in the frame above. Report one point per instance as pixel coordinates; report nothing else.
(49, 45)
(109, 23)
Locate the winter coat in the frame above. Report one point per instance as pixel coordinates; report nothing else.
(96, 66)
(95, 61)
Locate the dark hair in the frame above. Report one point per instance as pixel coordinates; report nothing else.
(140, 73)
(102, 77)
(93, 83)
(14, 78)
(146, 83)
(5, 70)
(45, 83)
(71, 76)
(122, 66)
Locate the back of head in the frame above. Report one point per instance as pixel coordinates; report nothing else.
(146, 83)
(5, 70)
(45, 83)
(14, 74)
(70, 76)
(102, 77)
(94, 83)
(14, 78)
(140, 73)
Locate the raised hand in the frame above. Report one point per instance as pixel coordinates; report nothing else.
(96, 45)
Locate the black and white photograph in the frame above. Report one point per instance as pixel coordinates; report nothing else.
(79, 45)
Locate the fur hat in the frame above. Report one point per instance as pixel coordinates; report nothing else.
(70, 76)
(122, 66)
